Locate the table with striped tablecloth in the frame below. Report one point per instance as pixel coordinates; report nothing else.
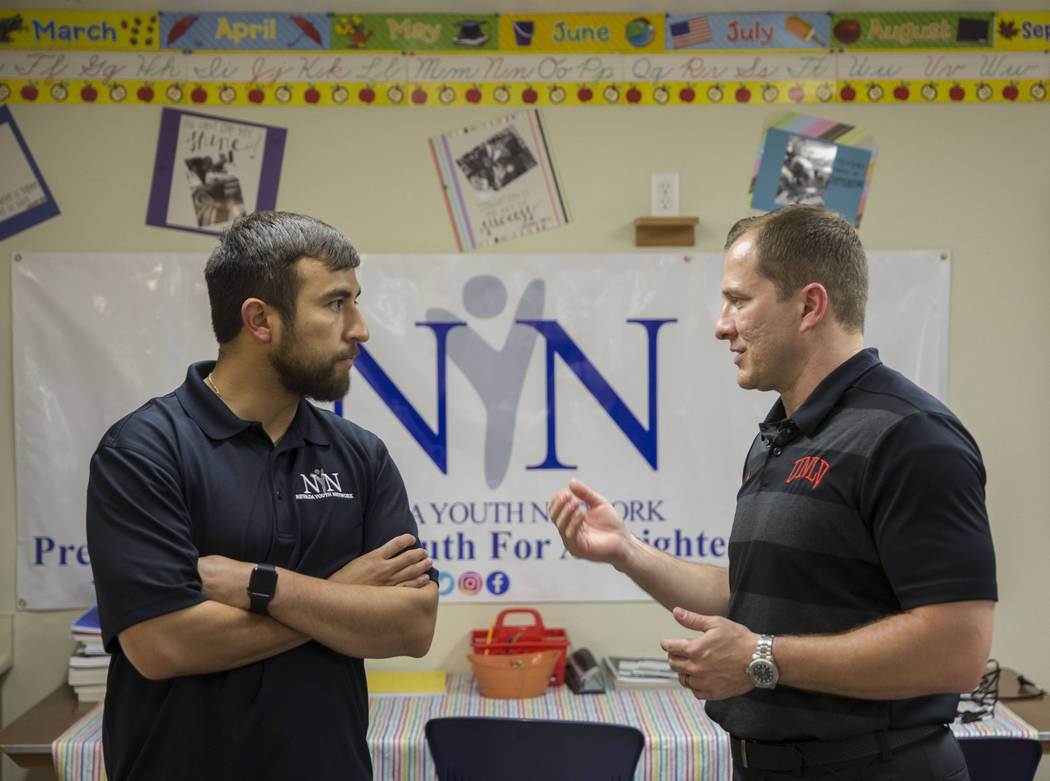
(680, 741)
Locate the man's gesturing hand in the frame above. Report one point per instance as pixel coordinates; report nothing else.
(713, 664)
(596, 533)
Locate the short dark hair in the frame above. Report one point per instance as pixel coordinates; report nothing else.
(257, 257)
(800, 244)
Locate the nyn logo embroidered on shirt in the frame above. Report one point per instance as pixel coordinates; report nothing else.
(811, 468)
(321, 485)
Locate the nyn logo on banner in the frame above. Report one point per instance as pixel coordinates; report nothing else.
(498, 376)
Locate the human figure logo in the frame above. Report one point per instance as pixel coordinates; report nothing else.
(322, 485)
(498, 375)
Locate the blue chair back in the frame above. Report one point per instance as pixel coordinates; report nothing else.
(467, 748)
(1001, 759)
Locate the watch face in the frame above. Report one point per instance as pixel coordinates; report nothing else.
(763, 673)
(263, 582)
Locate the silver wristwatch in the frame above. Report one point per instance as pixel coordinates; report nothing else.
(762, 670)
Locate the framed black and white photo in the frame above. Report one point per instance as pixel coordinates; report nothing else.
(209, 171)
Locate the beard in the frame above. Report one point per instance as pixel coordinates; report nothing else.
(309, 374)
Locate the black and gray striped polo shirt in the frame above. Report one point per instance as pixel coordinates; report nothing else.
(867, 502)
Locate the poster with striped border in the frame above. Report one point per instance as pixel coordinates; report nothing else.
(804, 159)
(499, 180)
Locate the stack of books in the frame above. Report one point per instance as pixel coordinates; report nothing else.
(640, 673)
(89, 664)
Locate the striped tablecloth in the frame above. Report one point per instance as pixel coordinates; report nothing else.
(77, 752)
(680, 741)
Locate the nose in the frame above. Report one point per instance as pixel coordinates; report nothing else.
(723, 324)
(356, 328)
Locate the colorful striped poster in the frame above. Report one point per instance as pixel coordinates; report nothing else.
(499, 180)
(804, 159)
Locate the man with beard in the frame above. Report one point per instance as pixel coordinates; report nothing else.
(249, 549)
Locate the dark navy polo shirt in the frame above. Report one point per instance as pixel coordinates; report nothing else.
(183, 477)
(867, 502)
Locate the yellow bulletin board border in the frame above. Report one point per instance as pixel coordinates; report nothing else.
(126, 58)
(416, 95)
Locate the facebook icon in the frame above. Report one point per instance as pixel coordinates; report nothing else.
(498, 582)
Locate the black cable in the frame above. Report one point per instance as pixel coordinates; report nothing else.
(984, 697)
(1037, 691)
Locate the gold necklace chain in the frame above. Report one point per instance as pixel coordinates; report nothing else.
(211, 384)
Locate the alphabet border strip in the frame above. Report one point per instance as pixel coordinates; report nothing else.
(198, 79)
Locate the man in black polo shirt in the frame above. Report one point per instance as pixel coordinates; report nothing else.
(860, 590)
(248, 547)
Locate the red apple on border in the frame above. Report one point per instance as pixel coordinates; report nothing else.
(585, 94)
(29, 92)
(88, 94)
(901, 92)
(956, 92)
(743, 94)
(1010, 91)
(144, 93)
(687, 94)
(419, 96)
(311, 95)
(366, 94)
(256, 95)
(473, 95)
(199, 95)
(529, 95)
(847, 93)
(634, 95)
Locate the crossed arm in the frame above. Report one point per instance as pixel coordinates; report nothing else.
(926, 650)
(380, 604)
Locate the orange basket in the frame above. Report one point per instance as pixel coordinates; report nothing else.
(503, 638)
(514, 676)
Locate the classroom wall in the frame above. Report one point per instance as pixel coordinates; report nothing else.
(969, 178)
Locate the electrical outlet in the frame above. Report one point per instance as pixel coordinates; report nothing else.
(665, 195)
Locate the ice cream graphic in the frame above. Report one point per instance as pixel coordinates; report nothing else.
(802, 30)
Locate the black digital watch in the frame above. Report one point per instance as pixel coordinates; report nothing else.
(261, 587)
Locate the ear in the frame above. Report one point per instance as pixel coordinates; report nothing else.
(815, 305)
(257, 319)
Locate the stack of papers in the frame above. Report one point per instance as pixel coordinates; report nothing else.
(626, 673)
(89, 664)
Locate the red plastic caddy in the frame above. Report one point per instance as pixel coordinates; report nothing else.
(504, 638)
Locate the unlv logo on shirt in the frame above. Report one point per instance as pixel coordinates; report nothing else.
(811, 468)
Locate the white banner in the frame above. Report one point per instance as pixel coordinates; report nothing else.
(493, 379)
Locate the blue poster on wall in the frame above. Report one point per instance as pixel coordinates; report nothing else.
(25, 198)
(814, 161)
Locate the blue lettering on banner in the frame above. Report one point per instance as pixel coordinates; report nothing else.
(520, 549)
(74, 32)
(435, 442)
(454, 547)
(559, 343)
(48, 552)
(681, 545)
(500, 390)
(1039, 31)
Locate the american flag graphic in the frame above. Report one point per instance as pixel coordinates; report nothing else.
(690, 32)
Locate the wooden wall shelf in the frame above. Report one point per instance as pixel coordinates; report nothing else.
(665, 231)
